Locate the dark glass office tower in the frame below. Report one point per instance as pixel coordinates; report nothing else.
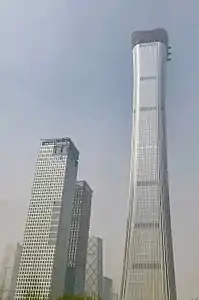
(79, 232)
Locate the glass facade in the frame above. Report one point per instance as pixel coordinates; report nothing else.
(148, 271)
(9, 271)
(94, 269)
(15, 270)
(79, 231)
(43, 262)
(107, 288)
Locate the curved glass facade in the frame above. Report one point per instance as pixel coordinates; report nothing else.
(148, 271)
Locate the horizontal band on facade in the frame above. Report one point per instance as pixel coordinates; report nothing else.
(147, 225)
(54, 141)
(148, 108)
(143, 78)
(147, 266)
(147, 183)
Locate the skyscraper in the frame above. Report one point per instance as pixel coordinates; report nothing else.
(107, 288)
(79, 231)
(9, 271)
(94, 268)
(148, 270)
(15, 270)
(46, 237)
(114, 296)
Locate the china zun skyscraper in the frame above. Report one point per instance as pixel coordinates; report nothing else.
(148, 270)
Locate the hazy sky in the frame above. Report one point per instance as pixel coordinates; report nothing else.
(65, 70)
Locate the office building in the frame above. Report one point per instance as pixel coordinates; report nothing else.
(114, 296)
(148, 271)
(15, 271)
(9, 271)
(79, 231)
(107, 288)
(94, 268)
(43, 263)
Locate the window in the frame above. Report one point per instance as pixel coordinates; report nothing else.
(55, 215)
(52, 235)
(56, 209)
(54, 228)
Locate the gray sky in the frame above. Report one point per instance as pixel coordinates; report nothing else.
(65, 70)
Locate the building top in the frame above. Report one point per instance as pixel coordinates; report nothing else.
(108, 279)
(84, 185)
(95, 238)
(150, 36)
(62, 141)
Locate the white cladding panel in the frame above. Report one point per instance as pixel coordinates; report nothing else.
(148, 272)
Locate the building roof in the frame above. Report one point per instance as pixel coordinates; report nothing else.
(150, 36)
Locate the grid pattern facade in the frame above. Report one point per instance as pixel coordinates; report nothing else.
(79, 231)
(94, 271)
(148, 272)
(43, 261)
